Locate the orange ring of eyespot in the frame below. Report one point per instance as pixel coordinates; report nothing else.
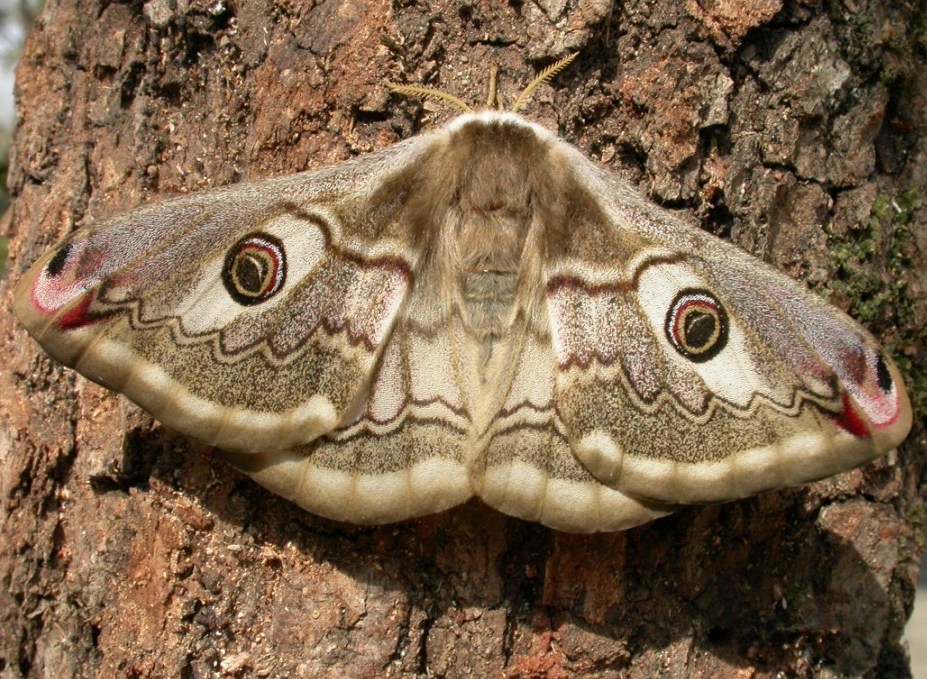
(697, 325)
(254, 269)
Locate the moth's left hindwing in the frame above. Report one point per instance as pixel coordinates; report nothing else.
(481, 310)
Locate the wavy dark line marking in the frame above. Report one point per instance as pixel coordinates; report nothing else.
(576, 282)
(409, 421)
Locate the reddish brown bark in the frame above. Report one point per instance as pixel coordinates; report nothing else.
(128, 551)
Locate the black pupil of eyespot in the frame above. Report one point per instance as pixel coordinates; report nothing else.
(56, 264)
(699, 328)
(251, 273)
(883, 375)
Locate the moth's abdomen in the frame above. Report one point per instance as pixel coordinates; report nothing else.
(488, 301)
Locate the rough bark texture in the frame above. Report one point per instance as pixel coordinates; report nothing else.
(128, 551)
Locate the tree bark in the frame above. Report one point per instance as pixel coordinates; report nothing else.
(126, 550)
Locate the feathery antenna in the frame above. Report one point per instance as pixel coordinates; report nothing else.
(431, 93)
(542, 78)
(493, 98)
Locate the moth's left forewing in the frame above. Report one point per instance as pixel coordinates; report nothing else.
(690, 372)
(250, 317)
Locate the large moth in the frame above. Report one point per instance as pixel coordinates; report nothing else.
(479, 310)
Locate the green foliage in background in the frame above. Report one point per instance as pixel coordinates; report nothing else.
(871, 266)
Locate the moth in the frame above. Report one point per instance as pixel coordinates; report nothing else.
(480, 311)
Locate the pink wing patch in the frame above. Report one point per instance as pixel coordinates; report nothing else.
(873, 390)
(59, 285)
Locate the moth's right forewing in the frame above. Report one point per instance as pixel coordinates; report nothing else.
(692, 372)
